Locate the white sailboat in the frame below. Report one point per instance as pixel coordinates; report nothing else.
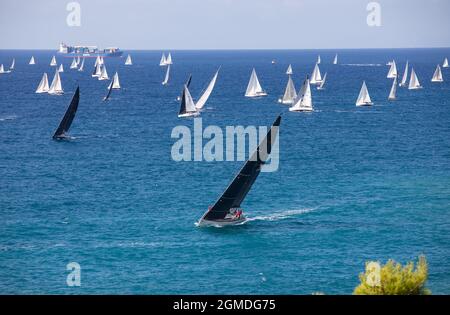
(335, 61)
(187, 106)
(437, 76)
(13, 64)
(169, 59)
(289, 70)
(56, 86)
(204, 97)
(61, 68)
(43, 85)
(316, 77)
(163, 61)
(290, 94)
(128, 62)
(53, 62)
(303, 102)
(166, 78)
(115, 82)
(364, 97)
(254, 88)
(392, 94)
(32, 62)
(320, 87)
(414, 81)
(318, 59)
(78, 61)
(392, 71)
(97, 61)
(2, 69)
(81, 68)
(445, 63)
(74, 64)
(405, 75)
(103, 74)
(101, 61)
(97, 71)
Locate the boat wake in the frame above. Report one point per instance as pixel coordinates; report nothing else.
(282, 215)
(8, 117)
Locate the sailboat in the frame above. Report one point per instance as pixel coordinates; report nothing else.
(66, 122)
(78, 61)
(115, 82)
(187, 106)
(188, 83)
(320, 87)
(227, 209)
(445, 63)
(254, 89)
(103, 74)
(169, 59)
(32, 62)
(316, 77)
(43, 85)
(61, 68)
(289, 70)
(56, 86)
(318, 59)
(2, 69)
(405, 75)
(289, 93)
(97, 61)
(74, 64)
(101, 61)
(335, 61)
(392, 94)
(166, 78)
(303, 102)
(128, 62)
(97, 71)
(392, 71)
(204, 97)
(81, 68)
(437, 76)
(163, 61)
(364, 97)
(414, 81)
(13, 64)
(53, 62)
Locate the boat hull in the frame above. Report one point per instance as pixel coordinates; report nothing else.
(221, 223)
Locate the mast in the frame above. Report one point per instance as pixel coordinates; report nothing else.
(238, 189)
(67, 120)
(166, 78)
(204, 97)
(43, 85)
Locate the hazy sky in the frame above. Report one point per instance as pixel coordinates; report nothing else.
(225, 24)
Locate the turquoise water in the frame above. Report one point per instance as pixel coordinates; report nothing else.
(354, 184)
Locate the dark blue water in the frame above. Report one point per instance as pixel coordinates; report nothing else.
(354, 184)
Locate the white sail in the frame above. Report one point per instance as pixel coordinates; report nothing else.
(97, 61)
(335, 61)
(97, 71)
(169, 59)
(303, 102)
(101, 61)
(13, 64)
(74, 64)
(56, 86)
(115, 82)
(318, 59)
(166, 78)
(32, 62)
(254, 88)
(204, 97)
(322, 83)
(392, 71)
(61, 68)
(289, 93)
(163, 61)
(445, 63)
(78, 61)
(405, 75)
(316, 77)
(437, 76)
(103, 74)
(392, 93)
(43, 85)
(189, 106)
(363, 97)
(2, 69)
(414, 81)
(289, 70)
(81, 68)
(128, 62)
(53, 62)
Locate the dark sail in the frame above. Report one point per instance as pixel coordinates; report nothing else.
(183, 103)
(65, 123)
(109, 91)
(189, 80)
(240, 186)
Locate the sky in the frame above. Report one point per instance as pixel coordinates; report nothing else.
(225, 24)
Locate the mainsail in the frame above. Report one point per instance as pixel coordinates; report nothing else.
(81, 68)
(238, 189)
(318, 59)
(303, 102)
(128, 62)
(2, 69)
(392, 71)
(289, 93)
(32, 62)
(392, 94)
(445, 63)
(53, 62)
(437, 76)
(65, 123)
(166, 78)
(414, 81)
(103, 74)
(97, 61)
(405, 75)
(43, 85)
(204, 97)
(163, 61)
(13, 64)
(289, 70)
(363, 97)
(74, 64)
(320, 87)
(97, 70)
(115, 82)
(169, 59)
(335, 61)
(316, 77)
(254, 89)
(61, 68)
(56, 86)
(187, 106)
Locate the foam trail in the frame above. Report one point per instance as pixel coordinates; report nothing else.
(282, 215)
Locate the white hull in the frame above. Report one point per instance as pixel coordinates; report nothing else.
(221, 223)
(365, 104)
(285, 102)
(256, 94)
(301, 109)
(189, 114)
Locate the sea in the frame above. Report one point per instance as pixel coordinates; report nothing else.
(354, 184)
